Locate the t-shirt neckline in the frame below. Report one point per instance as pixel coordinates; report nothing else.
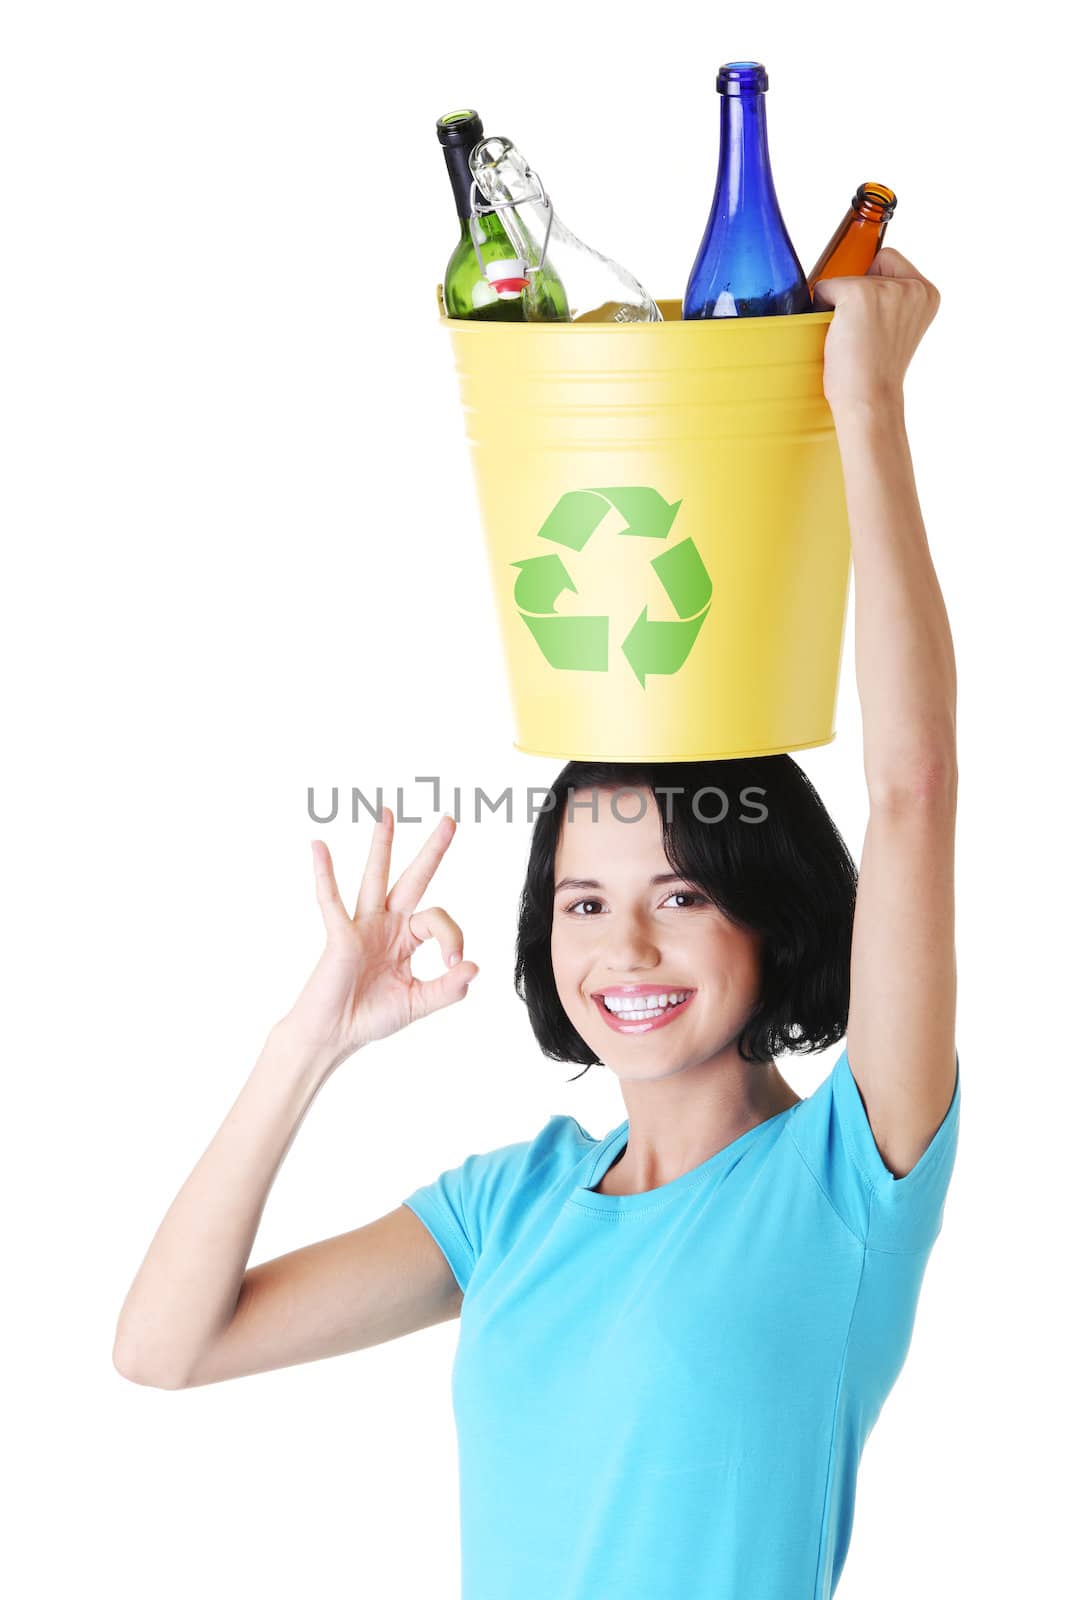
(597, 1162)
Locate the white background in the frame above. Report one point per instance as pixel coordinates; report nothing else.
(243, 556)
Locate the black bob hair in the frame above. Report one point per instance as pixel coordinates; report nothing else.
(775, 864)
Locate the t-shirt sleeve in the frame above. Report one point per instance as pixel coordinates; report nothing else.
(458, 1207)
(831, 1131)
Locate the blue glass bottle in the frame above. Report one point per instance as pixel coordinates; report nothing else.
(746, 265)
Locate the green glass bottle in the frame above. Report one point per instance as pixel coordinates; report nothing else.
(498, 295)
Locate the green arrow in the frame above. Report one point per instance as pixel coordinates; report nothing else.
(660, 646)
(685, 578)
(576, 644)
(578, 513)
(647, 513)
(574, 518)
(541, 580)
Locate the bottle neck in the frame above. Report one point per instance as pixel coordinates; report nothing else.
(459, 175)
(744, 180)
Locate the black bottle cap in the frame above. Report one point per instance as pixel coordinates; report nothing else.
(460, 127)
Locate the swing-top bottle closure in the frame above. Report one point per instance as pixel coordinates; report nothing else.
(480, 209)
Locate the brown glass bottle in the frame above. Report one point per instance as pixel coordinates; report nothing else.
(859, 238)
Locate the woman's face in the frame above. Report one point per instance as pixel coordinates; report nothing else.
(626, 932)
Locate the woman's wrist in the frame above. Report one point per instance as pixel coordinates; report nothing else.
(289, 1048)
(873, 411)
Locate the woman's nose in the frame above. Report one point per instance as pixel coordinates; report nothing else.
(630, 947)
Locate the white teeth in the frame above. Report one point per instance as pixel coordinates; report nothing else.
(645, 1005)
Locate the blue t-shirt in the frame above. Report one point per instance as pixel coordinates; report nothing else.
(665, 1396)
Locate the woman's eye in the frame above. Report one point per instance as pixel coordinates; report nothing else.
(690, 895)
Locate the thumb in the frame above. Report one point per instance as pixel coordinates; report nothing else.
(431, 994)
(825, 292)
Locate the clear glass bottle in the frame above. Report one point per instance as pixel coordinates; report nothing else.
(746, 265)
(597, 289)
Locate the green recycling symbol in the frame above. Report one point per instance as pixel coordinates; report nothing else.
(580, 644)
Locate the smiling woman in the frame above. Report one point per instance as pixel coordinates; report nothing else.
(720, 1292)
(716, 1298)
(675, 1339)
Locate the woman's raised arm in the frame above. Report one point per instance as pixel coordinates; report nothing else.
(194, 1313)
(902, 1011)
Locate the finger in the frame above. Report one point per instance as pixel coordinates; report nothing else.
(334, 914)
(898, 266)
(435, 923)
(376, 872)
(826, 293)
(889, 263)
(434, 993)
(410, 887)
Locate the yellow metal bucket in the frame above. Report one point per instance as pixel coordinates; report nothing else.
(665, 518)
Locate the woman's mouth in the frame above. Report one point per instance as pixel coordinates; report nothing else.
(641, 1008)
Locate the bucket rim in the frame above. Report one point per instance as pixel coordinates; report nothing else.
(644, 329)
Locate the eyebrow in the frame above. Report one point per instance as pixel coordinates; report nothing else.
(591, 883)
